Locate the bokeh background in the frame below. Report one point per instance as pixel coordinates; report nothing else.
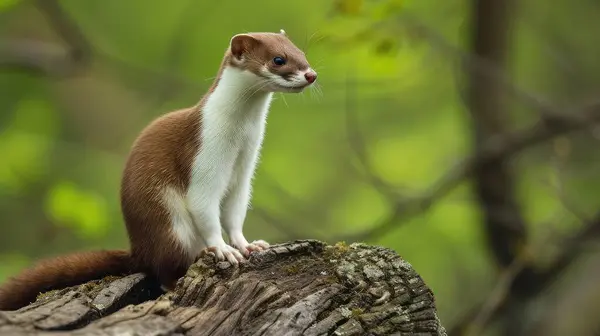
(458, 133)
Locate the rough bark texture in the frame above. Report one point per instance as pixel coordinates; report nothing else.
(298, 288)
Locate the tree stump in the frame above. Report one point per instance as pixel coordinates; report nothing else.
(299, 288)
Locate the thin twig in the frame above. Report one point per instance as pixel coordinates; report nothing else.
(495, 148)
(498, 296)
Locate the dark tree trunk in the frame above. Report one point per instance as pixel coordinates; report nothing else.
(297, 288)
(490, 112)
(494, 182)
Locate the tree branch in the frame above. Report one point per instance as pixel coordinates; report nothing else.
(48, 59)
(496, 147)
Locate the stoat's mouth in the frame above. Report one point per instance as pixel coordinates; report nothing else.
(292, 89)
(277, 84)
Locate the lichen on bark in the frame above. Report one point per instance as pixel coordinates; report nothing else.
(298, 288)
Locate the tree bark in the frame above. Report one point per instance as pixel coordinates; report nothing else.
(298, 288)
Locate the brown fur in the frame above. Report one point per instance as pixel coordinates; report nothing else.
(261, 48)
(64, 271)
(161, 156)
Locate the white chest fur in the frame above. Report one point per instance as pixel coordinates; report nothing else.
(232, 131)
(233, 123)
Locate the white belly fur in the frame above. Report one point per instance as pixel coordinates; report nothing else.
(232, 130)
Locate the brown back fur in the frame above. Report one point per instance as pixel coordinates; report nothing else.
(161, 156)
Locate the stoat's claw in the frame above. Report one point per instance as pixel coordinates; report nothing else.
(240, 243)
(261, 244)
(224, 252)
(234, 256)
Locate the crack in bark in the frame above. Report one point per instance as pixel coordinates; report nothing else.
(299, 288)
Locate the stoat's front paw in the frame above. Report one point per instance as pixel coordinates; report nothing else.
(240, 243)
(224, 252)
(261, 244)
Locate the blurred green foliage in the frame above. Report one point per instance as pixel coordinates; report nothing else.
(80, 210)
(64, 141)
(7, 4)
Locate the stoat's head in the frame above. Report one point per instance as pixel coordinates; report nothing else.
(273, 59)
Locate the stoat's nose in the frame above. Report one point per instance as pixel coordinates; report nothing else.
(310, 76)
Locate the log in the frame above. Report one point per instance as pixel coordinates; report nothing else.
(305, 287)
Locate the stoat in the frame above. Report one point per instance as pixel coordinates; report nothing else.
(188, 176)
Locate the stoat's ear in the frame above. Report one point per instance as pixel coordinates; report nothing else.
(242, 43)
(282, 32)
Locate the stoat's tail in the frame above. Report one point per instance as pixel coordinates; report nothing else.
(61, 272)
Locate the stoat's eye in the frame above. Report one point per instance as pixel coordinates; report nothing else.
(279, 60)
